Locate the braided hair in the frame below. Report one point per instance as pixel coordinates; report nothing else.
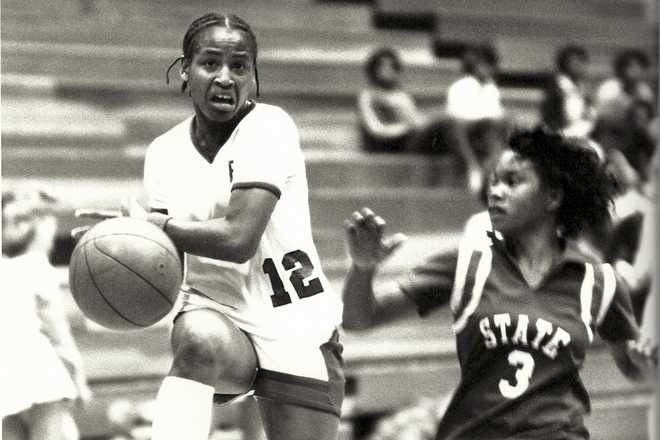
(229, 21)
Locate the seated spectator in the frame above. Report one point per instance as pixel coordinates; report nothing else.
(566, 104)
(474, 105)
(631, 157)
(629, 84)
(390, 120)
(387, 113)
(625, 107)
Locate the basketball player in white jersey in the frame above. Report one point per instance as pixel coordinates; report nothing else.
(228, 185)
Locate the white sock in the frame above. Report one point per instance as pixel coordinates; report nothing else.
(183, 410)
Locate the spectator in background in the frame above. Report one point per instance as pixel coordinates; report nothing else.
(41, 370)
(390, 120)
(474, 105)
(387, 113)
(625, 108)
(629, 84)
(566, 105)
(631, 146)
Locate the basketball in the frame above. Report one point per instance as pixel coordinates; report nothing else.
(125, 273)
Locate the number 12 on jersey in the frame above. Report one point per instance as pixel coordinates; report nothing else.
(303, 289)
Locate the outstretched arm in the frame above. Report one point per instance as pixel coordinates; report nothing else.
(368, 248)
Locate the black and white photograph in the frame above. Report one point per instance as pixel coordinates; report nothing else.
(329, 219)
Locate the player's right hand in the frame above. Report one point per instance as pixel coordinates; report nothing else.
(98, 214)
(130, 208)
(367, 244)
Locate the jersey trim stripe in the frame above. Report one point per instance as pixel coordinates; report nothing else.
(263, 185)
(469, 282)
(465, 251)
(586, 297)
(483, 270)
(609, 287)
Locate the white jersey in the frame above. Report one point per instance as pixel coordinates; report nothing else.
(282, 287)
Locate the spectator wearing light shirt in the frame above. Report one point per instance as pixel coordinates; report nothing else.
(474, 105)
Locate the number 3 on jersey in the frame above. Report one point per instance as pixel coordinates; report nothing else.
(524, 363)
(304, 289)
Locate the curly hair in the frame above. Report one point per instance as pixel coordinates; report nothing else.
(376, 57)
(573, 166)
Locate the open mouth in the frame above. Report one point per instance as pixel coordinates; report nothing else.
(496, 210)
(222, 99)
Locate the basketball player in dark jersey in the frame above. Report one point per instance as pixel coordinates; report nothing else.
(526, 302)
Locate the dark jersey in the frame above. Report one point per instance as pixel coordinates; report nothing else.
(520, 347)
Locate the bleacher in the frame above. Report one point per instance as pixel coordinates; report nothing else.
(83, 93)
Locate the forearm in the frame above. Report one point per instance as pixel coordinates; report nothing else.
(359, 300)
(216, 238)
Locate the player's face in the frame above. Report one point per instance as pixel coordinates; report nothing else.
(221, 73)
(517, 198)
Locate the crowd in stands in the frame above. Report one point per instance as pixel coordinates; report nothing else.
(471, 125)
(619, 115)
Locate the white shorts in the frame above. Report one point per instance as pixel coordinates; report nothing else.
(296, 354)
(297, 369)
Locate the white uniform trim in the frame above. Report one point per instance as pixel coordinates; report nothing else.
(609, 287)
(465, 251)
(483, 270)
(586, 297)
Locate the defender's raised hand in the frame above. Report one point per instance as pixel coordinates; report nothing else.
(367, 244)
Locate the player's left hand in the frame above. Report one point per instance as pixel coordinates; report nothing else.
(367, 244)
(643, 352)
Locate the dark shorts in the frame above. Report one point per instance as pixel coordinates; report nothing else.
(303, 391)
